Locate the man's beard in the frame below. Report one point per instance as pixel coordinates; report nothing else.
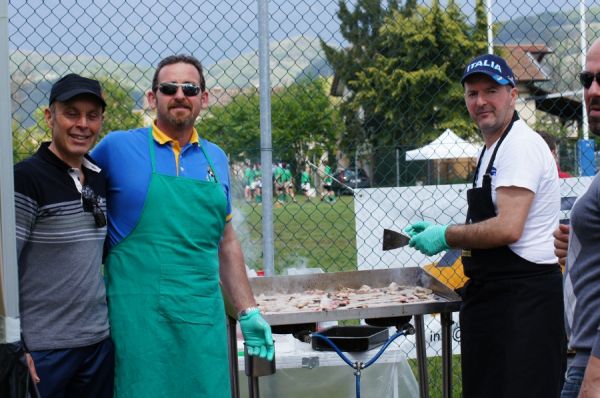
(181, 122)
(595, 126)
(594, 122)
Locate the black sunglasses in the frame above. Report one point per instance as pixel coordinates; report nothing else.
(587, 78)
(91, 203)
(189, 89)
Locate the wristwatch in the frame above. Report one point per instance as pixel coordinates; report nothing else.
(247, 311)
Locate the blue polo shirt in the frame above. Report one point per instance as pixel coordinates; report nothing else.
(124, 156)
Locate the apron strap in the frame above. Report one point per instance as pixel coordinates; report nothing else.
(212, 172)
(477, 168)
(151, 146)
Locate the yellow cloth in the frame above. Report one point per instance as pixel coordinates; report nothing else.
(453, 277)
(163, 138)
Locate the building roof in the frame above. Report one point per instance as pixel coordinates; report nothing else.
(525, 59)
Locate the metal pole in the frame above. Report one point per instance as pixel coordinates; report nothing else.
(233, 357)
(356, 166)
(316, 178)
(446, 354)
(266, 151)
(490, 30)
(583, 44)
(421, 356)
(314, 166)
(397, 166)
(9, 279)
(253, 388)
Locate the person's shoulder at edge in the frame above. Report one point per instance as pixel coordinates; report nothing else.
(115, 143)
(24, 175)
(524, 131)
(122, 136)
(526, 140)
(25, 165)
(28, 171)
(524, 149)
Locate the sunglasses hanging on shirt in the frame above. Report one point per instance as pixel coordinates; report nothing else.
(91, 203)
(189, 89)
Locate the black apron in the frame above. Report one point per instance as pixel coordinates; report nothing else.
(513, 341)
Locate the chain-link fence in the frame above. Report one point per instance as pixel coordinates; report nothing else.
(366, 100)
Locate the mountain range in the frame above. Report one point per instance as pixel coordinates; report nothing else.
(33, 73)
(292, 58)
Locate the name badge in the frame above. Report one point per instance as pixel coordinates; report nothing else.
(210, 175)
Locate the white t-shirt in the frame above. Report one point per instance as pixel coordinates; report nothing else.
(524, 160)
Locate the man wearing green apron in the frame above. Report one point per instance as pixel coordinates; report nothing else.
(171, 244)
(513, 341)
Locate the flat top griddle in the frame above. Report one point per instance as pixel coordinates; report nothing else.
(447, 299)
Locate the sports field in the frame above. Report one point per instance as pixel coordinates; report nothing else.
(312, 234)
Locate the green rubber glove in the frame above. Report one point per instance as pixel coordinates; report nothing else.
(257, 335)
(416, 228)
(431, 241)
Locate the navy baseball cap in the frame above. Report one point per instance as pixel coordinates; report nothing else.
(72, 85)
(491, 65)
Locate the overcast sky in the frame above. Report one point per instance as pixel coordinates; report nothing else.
(142, 31)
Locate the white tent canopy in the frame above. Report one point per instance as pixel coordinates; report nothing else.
(446, 146)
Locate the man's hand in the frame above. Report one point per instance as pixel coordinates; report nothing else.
(257, 335)
(416, 228)
(561, 243)
(590, 386)
(31, 366)
(431, 241)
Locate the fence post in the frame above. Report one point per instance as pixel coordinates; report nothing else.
(266, 150)
(397, 166)
(9, 281)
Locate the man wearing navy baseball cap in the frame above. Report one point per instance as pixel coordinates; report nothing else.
(491, 65)
(60, 201)
(511, 318)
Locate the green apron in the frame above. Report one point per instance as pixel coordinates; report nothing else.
(166, 309)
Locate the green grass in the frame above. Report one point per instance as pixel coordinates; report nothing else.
(307, 234)
(434, 370)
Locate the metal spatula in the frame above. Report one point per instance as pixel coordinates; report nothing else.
(393, 239)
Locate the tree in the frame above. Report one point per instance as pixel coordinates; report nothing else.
(361, 28)
(27, 141)
(406, 86)
(119, 113)
(304, 123)
(235, 127)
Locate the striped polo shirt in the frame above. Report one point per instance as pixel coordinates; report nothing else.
(59, 252)
(124, 156)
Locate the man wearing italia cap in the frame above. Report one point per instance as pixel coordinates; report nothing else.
(511, 318)
(61, 226)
